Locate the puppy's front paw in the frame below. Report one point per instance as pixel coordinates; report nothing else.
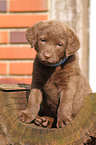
(25, 116)
(62, 122)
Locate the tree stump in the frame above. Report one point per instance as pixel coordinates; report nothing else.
(82, 129)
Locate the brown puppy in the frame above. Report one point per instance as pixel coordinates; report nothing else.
(58, 86)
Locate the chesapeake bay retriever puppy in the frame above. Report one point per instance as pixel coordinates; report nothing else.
(58, 85)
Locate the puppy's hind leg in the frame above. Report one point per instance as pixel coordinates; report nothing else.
(44, 121)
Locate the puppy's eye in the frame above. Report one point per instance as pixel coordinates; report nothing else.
(59, 44)
(43, 40)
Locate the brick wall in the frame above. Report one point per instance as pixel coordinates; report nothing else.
(16, 56)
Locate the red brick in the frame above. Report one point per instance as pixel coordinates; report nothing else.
(16, 80)
(28, 5)
(21, 68)
(17, 53)
(3, 5)
(20, 20)
(25, 80)
(3, 37)
(18, 37)
(3, 68)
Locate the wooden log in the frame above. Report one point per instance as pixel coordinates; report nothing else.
(78, 131)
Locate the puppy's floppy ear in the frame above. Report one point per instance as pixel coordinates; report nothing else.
(31, 33)
(73, 43)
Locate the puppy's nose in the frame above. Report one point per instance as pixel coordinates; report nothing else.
(47, 55)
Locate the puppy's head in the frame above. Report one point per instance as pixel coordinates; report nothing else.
(53, 41)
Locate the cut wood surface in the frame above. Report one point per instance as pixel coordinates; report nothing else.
(14, 132)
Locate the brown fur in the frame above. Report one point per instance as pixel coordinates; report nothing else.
(56, 92)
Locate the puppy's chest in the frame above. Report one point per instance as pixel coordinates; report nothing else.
(58, 79)
(56, 82)
(51, 95)
(53, 87)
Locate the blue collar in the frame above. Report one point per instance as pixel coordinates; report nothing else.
(57, 64)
